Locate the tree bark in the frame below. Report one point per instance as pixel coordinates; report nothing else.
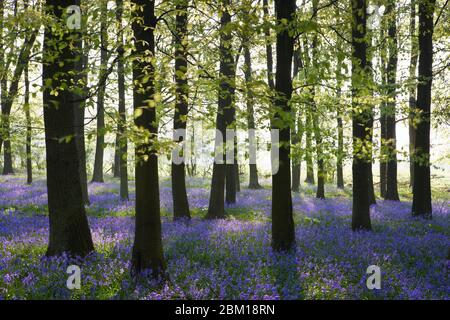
(269, 55)
(308, 151)
(250, 100)
(340, 153)
(122, 149)
(412, 89)
(360, 167)
(391, 172)
(116, 164)
(283, 233)
(147, 255)
(321, 174)
(297, 132)
(216, 207)
(179, 194)
(69, 229)
(79, 124)
(97, 175)
(29, 129)
(421, 205)
(383, 107)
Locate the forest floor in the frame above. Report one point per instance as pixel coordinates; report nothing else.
(231, 258)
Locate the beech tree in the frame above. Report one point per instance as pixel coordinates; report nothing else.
(283, 233)
(422, 185)
(122, 147)
(216, 207)
(62, 54)
(360, 117)
(147, 255)
(179, 194)
(97, 175)
(390, 110)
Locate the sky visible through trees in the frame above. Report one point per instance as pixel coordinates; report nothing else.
(255, 149)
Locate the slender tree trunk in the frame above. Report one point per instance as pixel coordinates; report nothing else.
(116, 164)
(216, 207)
(383, 163)
(97, 175)
(121, 129)
(321, 174)
(254, 182)
(391, 172)
(360, 167)
(383, 112)
(238, 176)
(29, 131)
(372, 198)
(6, 130)
(230, 122)
(340, 152)
(179, 194)
(340, 126)
(147, 255)
(296, 132)
(79, 124)
(421, 205)
(7, 152)
(69, 229)
(308, 151)
(283, 233)
(412, 89)
(269, 55)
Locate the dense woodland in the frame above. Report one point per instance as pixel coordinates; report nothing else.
(92, 92)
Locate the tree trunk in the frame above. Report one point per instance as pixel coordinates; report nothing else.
(421, 205)
(79, 124)
(179, 194)
(383, 107)
(412, 89)
(7, 152)
(360, 167)
(69, 230)
(283, 233)
(29, 131)
(238, 176)
(269, 55)
(296, 140)
(372, 198)
(147, 255)
(340, 153)
(122, 149)
(250, 100)
(230, 122)
(308, 151)
(97, 175)
(391, 172)
(321, 174)
(5, 128)
(116, 164)
(296, 132)
(216, 207)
